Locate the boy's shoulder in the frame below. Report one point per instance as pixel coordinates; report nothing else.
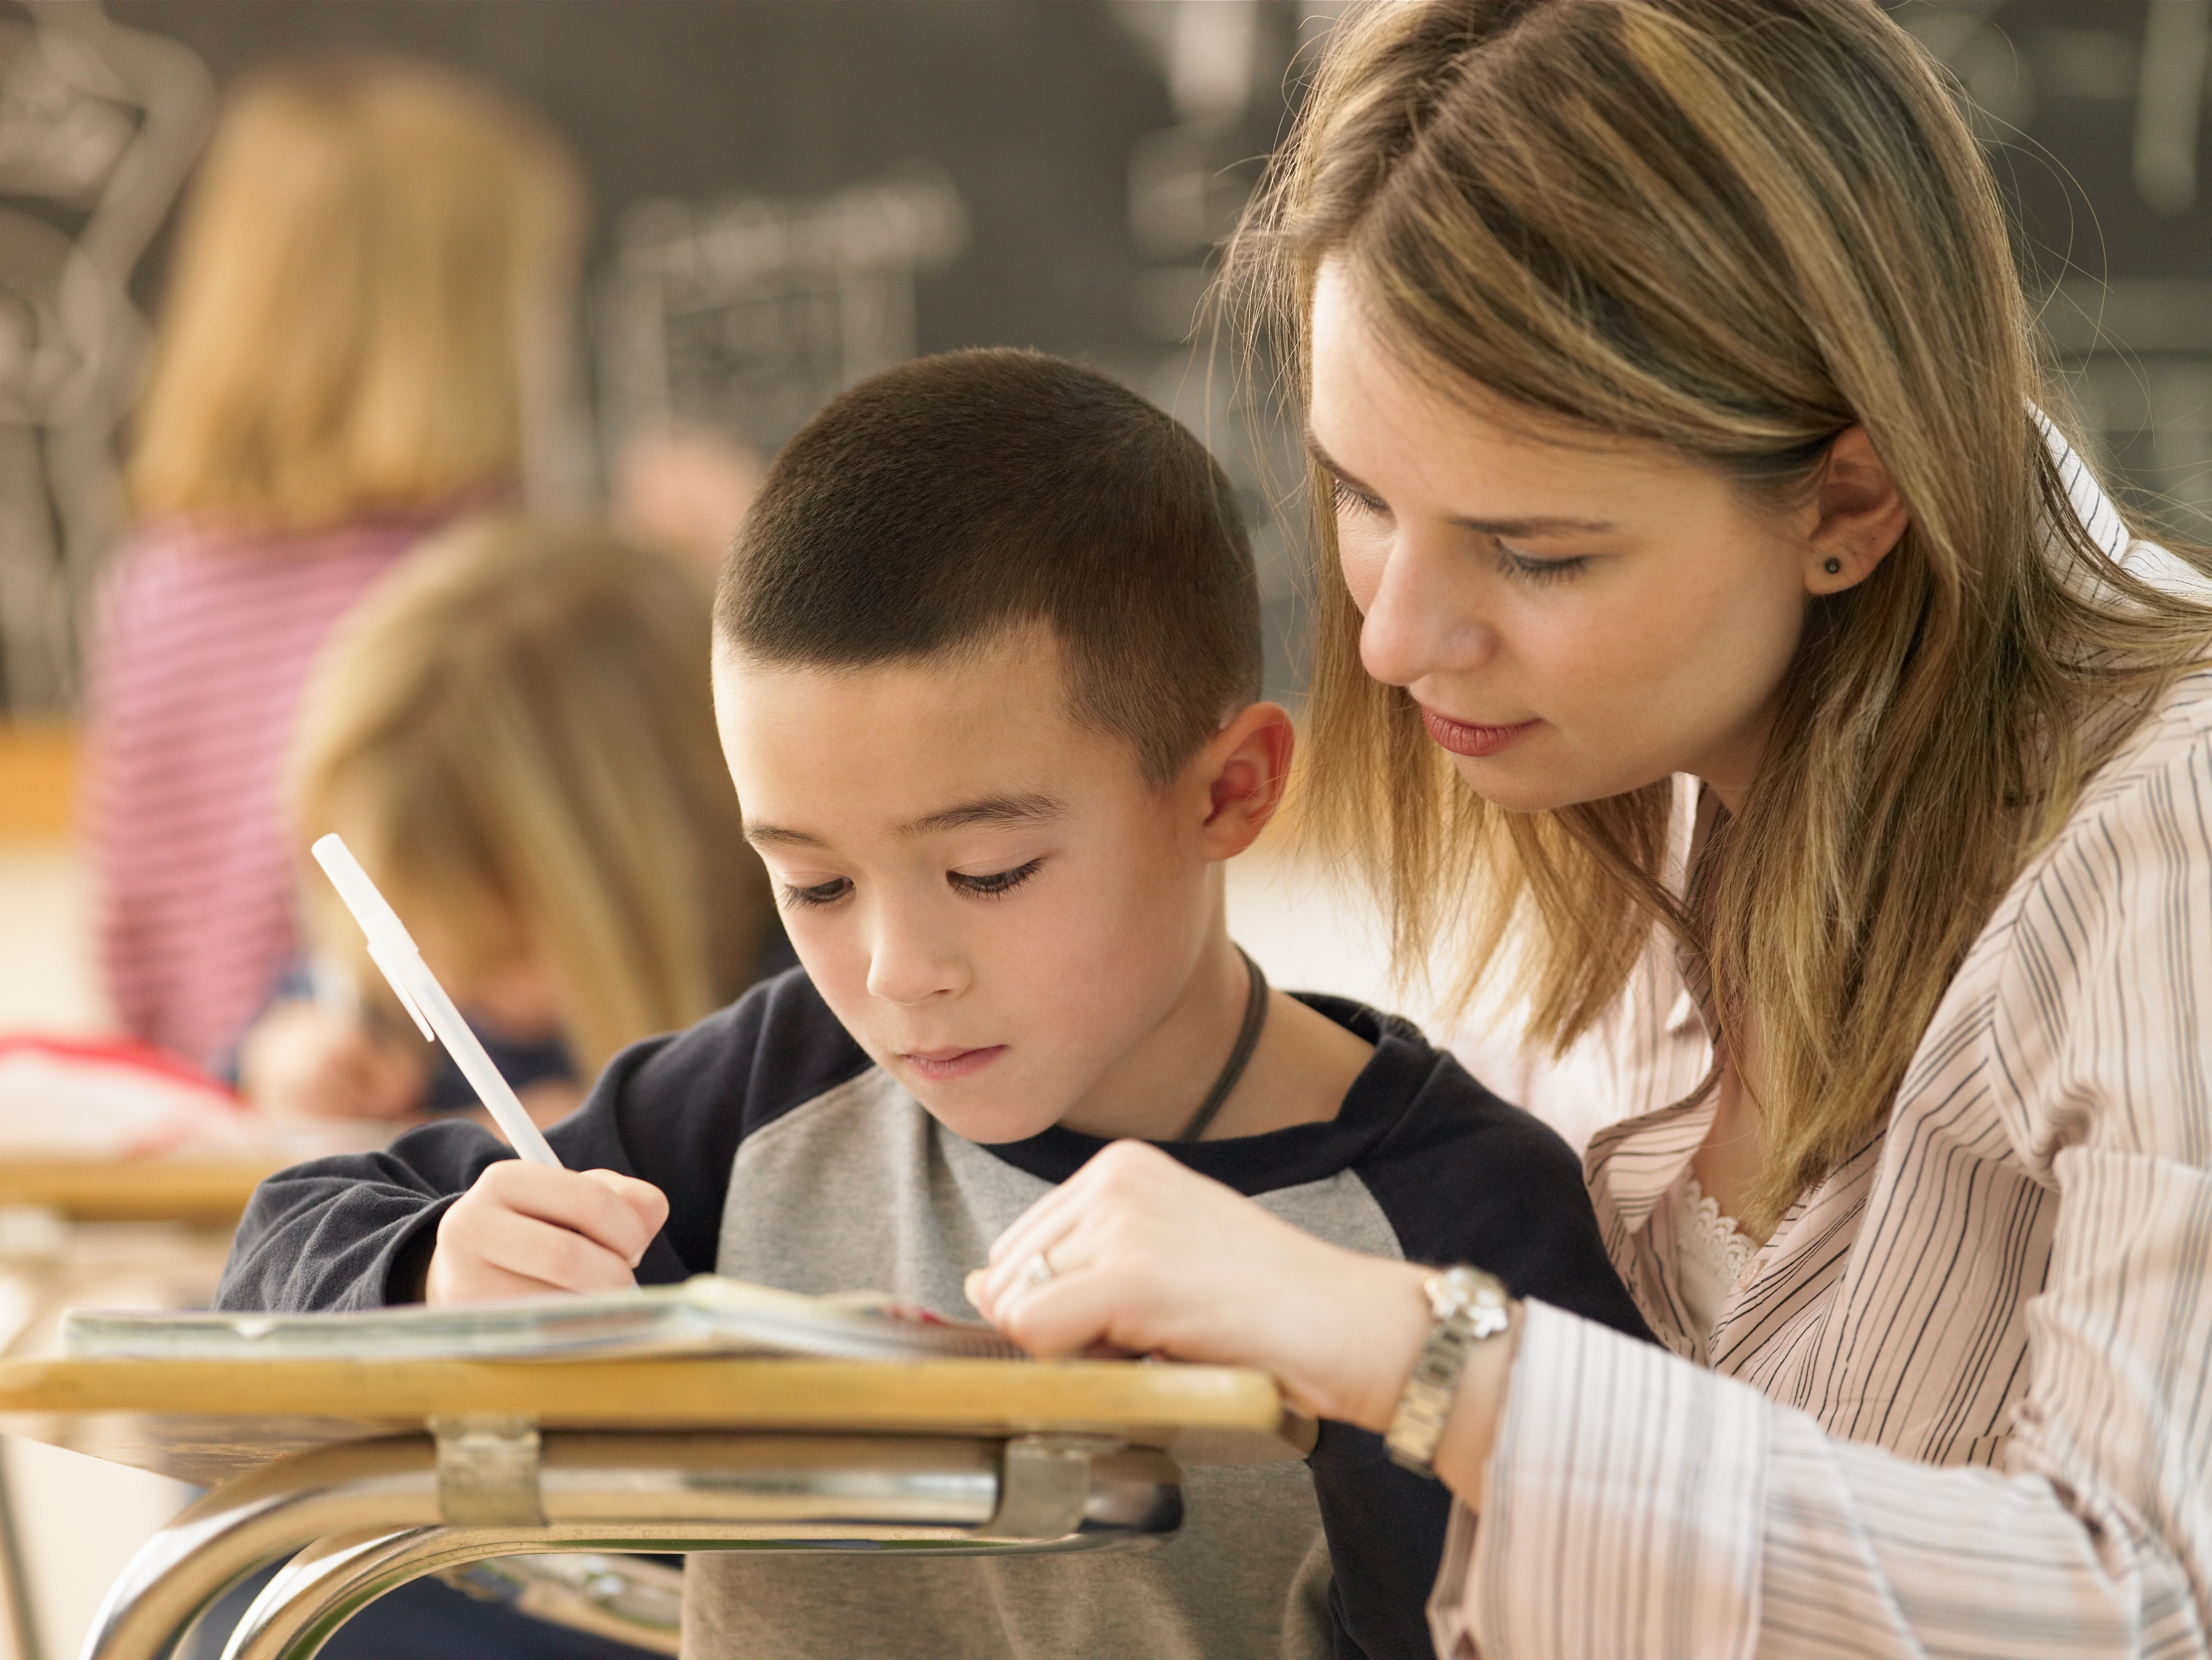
(1413, 1110)
(1414, 1100)
(1464, 1175)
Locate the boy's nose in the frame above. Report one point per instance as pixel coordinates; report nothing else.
(910, 964)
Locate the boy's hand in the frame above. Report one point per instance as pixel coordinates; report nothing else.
(299, 1062)
(525, 1230)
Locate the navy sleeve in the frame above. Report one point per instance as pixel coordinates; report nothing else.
(1462, 1177)
(356, 1232)
(1465, 1178)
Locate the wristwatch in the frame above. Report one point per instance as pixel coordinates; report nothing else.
(1470, 1307)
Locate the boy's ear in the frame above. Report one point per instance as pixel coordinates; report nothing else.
(1246, 766)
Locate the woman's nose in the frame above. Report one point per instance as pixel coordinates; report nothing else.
(911, 962)
(1422, 617)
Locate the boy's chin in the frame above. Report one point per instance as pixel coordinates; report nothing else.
(985, 1127)
(965, 1110)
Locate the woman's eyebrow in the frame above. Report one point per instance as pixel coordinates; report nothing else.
(1326, 462)
(1543, 526)
(1536, 525)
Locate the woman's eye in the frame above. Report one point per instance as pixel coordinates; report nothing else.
(822, 893)
(1348, 500)
(1515, 563)
(997, 883)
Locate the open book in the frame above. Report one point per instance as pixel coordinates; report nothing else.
(707, 1315)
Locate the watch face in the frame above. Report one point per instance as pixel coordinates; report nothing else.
(1461, 1287)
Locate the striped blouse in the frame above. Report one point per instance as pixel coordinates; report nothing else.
(1961, 1403)
(201, 649)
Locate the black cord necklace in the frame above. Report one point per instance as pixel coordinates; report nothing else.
(1248, 1039)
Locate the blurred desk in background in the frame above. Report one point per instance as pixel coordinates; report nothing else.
(205, 1190)
(152, 1233)
(47, 980)
(37, 778)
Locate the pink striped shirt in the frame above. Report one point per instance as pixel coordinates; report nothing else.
(201, 649)
(1961, 1403)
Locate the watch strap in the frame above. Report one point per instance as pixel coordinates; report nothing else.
(1470, 1308)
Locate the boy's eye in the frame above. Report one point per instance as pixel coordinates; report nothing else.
(822, 893)
(998, 882)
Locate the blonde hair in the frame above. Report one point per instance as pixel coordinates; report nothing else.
(514, 731)
(1736, 227)
(372, 271)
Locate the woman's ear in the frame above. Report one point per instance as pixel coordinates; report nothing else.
(1245, 767)
(1861, 516)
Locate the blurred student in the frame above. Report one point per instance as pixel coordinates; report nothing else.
(515, 733)
(360, 331)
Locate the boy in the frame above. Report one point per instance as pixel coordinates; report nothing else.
(987, 669)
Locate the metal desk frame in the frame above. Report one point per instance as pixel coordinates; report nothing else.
(964, 1457)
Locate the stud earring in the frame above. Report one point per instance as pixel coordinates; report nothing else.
(1833, 567)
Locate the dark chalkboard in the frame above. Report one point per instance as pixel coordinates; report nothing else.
(1035, 133)
(1048, 172)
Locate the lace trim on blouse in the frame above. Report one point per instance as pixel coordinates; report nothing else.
(1714, 1254)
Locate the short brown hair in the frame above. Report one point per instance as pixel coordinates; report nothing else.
(941, 501)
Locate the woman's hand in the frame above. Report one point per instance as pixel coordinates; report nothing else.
(1149, 1257)
(299, 1062)
(525, 1230)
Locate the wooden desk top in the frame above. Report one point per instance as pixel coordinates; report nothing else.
(202, 1421)
(37, 777)
(211, 1189)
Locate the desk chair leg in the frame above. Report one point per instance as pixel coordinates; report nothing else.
(254, 1521)
(396, 1509)
(314, 1594)
(15, 1576)
(328, 1584)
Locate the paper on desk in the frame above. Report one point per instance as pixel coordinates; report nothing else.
(707, 1314)
(108, 1098)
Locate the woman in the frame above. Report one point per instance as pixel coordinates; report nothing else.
(358, 340)
(1833, 750)
(514, 731)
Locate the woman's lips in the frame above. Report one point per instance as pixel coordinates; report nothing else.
(1463, 739)
(938, 1065)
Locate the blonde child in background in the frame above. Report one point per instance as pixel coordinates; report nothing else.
(514, 731)
(361, 333)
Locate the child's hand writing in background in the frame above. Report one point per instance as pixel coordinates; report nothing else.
(300, 1062)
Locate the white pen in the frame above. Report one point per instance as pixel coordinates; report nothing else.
(422, 996)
